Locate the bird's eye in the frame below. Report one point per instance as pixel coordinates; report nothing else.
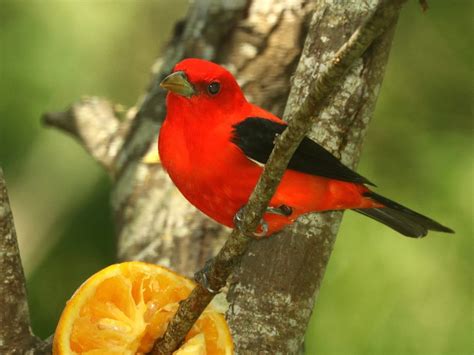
(213, 88)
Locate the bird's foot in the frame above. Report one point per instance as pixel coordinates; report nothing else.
(262, 227)
(282, 210)
(202, 278)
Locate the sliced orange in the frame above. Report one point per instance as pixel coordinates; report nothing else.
(125, 307)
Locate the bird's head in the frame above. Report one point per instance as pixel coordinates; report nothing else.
(203, 85)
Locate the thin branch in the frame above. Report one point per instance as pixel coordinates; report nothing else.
(219, 268)
(18, 337)
(93, 122)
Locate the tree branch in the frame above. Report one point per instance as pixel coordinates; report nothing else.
(17, 338)
(219, 269)
(92, 121)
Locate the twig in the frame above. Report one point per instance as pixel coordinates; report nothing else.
(219, 268)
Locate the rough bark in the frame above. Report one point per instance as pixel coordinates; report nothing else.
(16, 336)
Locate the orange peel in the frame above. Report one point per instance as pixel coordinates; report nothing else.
(125, 307)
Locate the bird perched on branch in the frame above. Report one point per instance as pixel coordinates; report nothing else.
(214, 143)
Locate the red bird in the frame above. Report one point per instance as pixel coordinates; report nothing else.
(214, 143)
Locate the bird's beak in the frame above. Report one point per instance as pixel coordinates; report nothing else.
(178, 83)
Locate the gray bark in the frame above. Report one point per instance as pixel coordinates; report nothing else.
(16, 336)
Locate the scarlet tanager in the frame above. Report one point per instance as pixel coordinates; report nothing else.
(214, 143)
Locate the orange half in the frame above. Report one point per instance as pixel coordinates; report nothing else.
(125, 307)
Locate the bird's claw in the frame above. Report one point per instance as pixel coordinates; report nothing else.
(201, 278)
(282, 210)
(263, 229)
(263, 226)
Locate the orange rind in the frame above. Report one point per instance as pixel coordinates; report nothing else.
(125, 307)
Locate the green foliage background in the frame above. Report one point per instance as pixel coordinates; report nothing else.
(382, 294)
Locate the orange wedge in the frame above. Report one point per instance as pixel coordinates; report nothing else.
(125, 307)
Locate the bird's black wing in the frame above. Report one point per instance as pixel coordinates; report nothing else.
(255, 137)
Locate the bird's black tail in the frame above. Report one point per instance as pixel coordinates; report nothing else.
(402, 219)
